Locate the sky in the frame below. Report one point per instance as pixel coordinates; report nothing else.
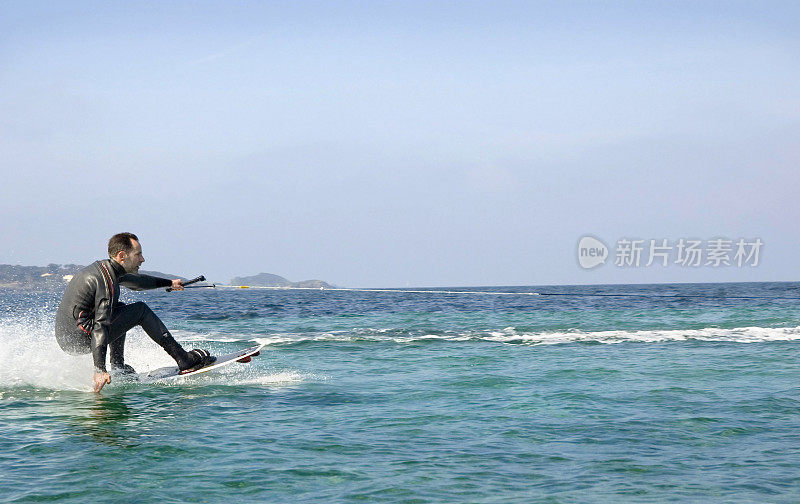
(402, 143)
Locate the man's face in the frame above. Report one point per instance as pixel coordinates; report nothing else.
(132, 261)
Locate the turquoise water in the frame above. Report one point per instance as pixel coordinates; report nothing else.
(409, 397)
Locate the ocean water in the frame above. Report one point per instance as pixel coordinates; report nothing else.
(630, 393)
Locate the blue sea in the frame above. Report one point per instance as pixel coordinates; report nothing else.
(540, 394)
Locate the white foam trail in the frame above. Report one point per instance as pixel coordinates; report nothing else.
(31, 357)
(512, 336)
(737, 335)
(188, 336)
(275, 340)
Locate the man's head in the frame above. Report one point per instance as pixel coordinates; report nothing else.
(125, 249)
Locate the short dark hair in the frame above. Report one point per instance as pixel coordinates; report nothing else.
(121, 242)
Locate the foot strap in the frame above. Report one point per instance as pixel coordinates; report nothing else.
(201, 359)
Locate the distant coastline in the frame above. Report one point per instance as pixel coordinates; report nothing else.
(270, 280)
(56, 276)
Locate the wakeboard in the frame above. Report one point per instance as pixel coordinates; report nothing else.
(172, 372)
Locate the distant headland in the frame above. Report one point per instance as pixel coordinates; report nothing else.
(270, 280)
(56, 276)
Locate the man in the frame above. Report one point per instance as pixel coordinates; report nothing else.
(91, 319)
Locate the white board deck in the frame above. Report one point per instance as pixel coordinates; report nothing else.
(172, 372)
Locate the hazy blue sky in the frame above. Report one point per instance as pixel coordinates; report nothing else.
(399, 143)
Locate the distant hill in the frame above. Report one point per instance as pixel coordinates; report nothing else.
(270, 280)
(36, 277)
(262, 280)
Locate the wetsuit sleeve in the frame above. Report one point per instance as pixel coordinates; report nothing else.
(143, 282)
(102, 324)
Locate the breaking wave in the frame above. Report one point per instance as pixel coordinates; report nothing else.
(511, 335)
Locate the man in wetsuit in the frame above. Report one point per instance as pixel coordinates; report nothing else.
(91, 319)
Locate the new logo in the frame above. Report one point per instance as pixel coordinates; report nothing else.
(591, 252)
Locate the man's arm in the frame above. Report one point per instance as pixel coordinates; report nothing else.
(100, 329)
(144, 282)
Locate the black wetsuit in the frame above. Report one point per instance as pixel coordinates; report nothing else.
(91, 318)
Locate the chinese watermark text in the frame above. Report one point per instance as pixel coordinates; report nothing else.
(684, 252)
